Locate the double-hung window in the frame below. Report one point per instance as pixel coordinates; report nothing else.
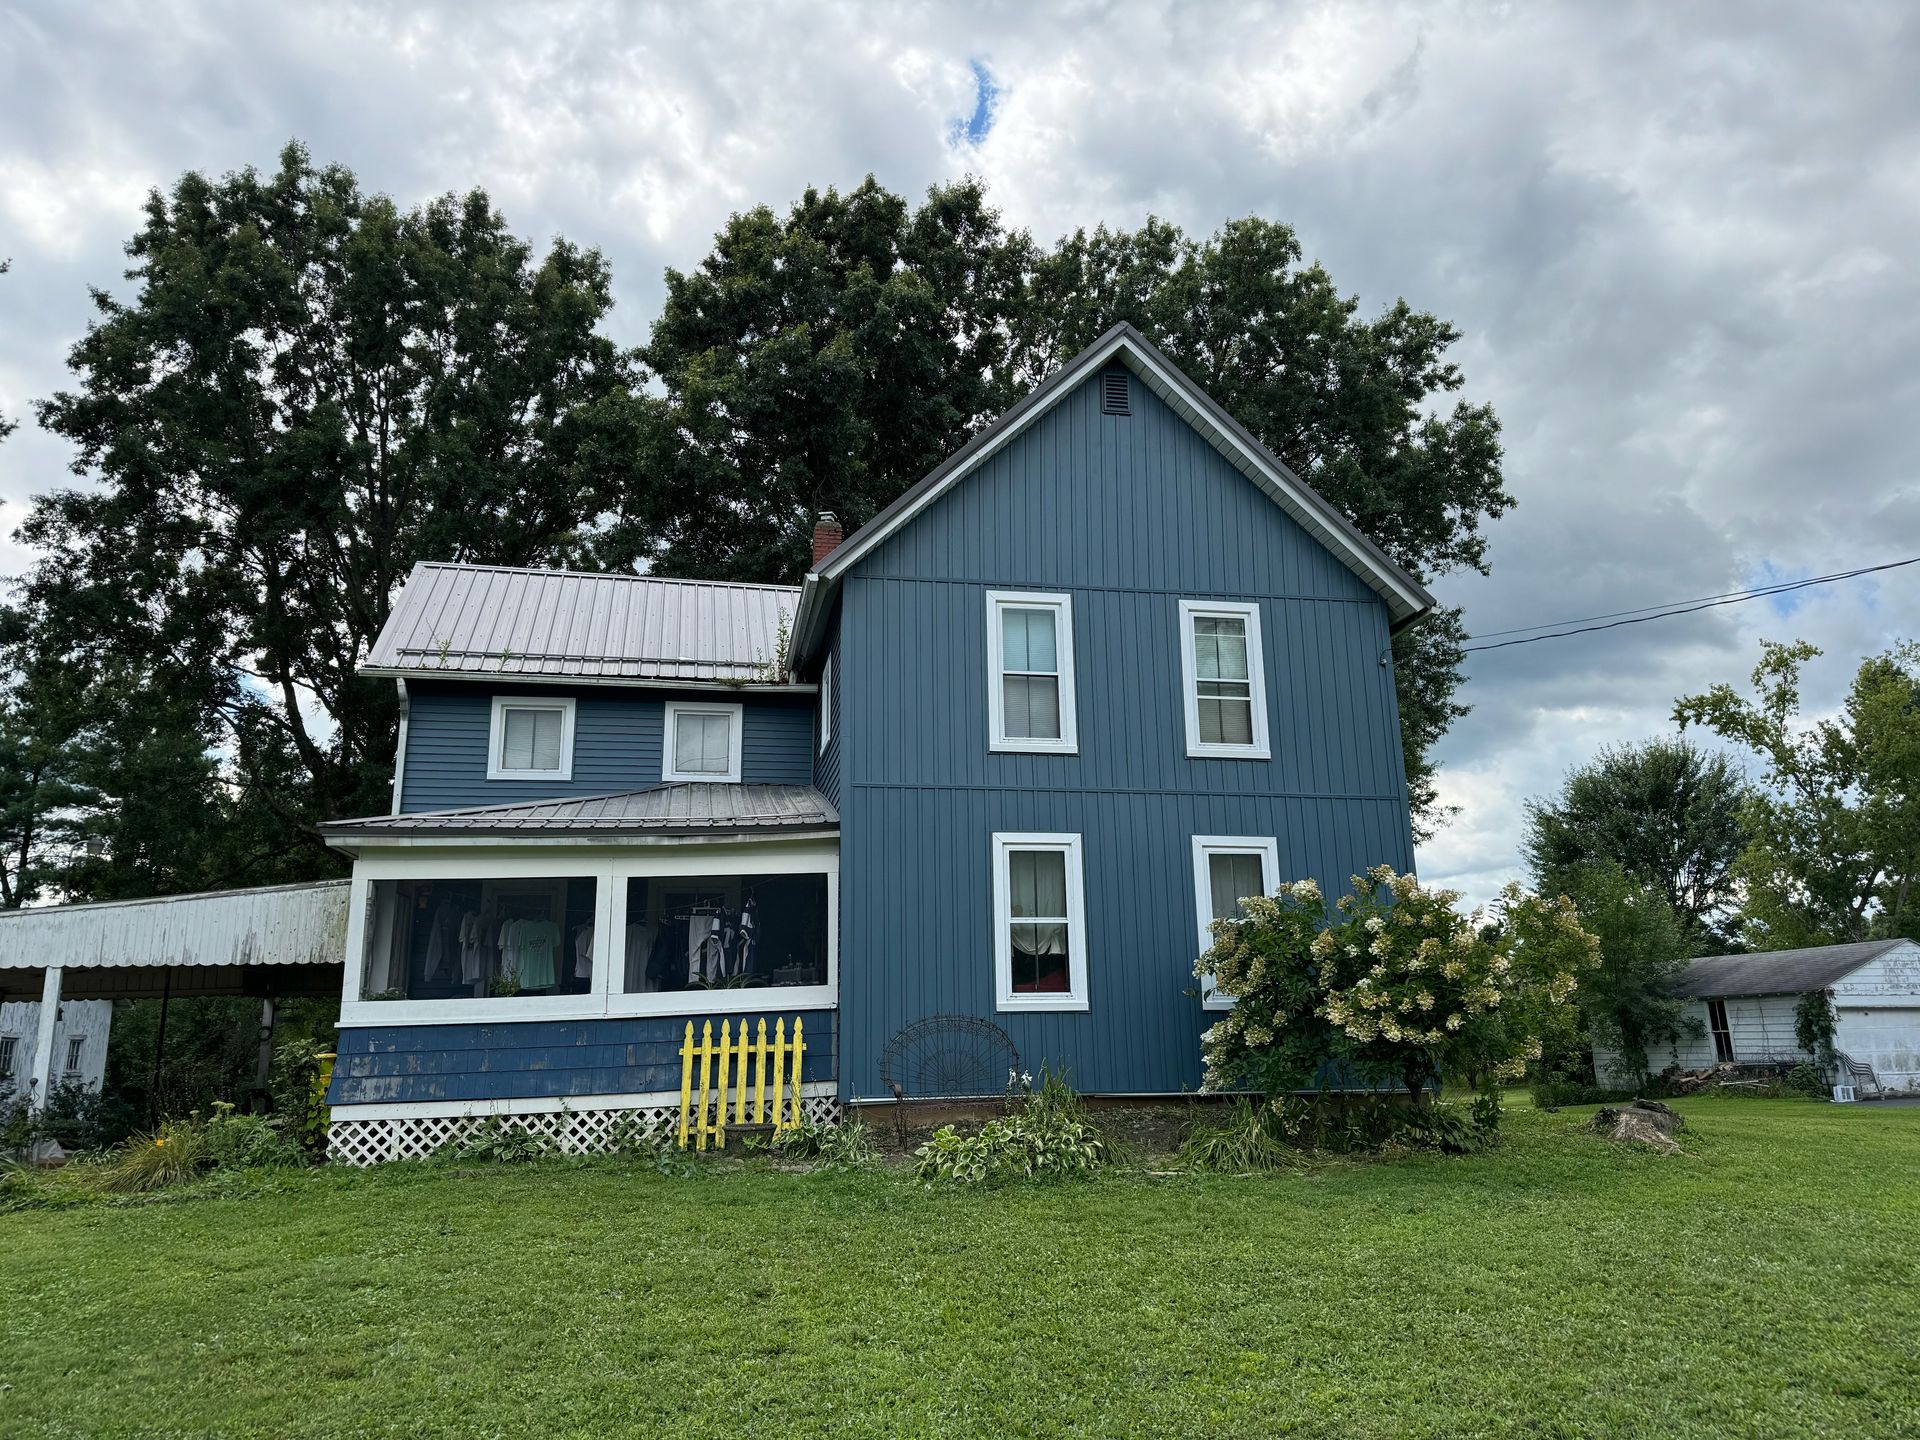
(9, 1054)
(1030, 704)
(1722, 1031)
(1225, 689)
(702, 742)
(1039, 922)
(1226, 870)
(530, 739)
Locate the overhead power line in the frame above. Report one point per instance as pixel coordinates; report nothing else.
(1614, 621)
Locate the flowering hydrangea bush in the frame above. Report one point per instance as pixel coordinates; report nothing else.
(1394, 981)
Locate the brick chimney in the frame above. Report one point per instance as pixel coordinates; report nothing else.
(827, 536)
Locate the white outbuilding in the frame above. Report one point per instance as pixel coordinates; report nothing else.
(1745, 1005)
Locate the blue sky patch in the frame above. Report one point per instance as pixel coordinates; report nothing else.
(973, 129)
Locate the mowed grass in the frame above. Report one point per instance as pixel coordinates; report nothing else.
(1763, 1284)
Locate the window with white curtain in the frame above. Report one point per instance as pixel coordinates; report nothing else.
(1030, 700)
(1222, 674)
(1040, 927)
(1226, 870)
(702, 742)
(530, 739)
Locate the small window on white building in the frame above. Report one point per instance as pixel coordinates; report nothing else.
(1030, 701)
(1722, 1031)
(530, 739)
(1225, 691)
(826, 704)
(1039, 922)
(9, 1053)
(76, 1052)
(702, 742)
(1226, 870)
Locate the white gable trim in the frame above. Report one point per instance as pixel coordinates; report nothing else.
(1186, 400)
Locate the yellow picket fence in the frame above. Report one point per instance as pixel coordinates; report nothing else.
(748, 1065)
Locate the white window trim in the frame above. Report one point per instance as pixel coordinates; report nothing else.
(1204, 847)
(997, 737)
(736, 740)
(826, 704)
(610, 871)
(1075, 997)
(496, 733)
(1249, 611)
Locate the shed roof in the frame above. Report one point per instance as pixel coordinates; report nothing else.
(489, 621)
(267, 925)
(691, 808)
(1779, 972)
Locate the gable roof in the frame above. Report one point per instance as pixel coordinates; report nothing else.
(1779, 972)
(691, 808)
(1406, 599)
(489, 621)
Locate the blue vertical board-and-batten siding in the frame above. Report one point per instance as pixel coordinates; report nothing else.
(540, 1059)
(617, 740)
(1128, 515)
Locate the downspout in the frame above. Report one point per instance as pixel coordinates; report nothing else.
(400, 748)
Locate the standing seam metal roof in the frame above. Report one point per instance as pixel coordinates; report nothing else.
(687, 808)
(561, 624)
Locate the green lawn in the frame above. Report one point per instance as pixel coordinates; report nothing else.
(1766, 1283)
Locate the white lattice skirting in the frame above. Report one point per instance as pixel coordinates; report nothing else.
(589, 1125)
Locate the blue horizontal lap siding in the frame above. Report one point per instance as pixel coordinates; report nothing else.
(1129, 516)
(616, 743)
(540, 1059)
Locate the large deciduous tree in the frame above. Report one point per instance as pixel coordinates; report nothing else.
(824, 360)
(829, 358)
(1667, 812)
(308, 391)
(1835, 847)
(1627, 1001)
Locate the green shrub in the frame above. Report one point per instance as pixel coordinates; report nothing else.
(1248, 1139)
(1804, 1079)
(656, 1146)
(233, 1141)
(1046, 1137)
(1552, 1092)
(498, 1142)
(848, 1145)
(299, 1094)
(171, 1155)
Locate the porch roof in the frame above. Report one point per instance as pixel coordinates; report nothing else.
(693, 808)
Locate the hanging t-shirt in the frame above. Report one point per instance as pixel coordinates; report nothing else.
(583, 952)
(535, 947)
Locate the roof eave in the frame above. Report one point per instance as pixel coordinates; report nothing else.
(636, 682)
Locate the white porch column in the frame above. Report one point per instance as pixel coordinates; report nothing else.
(40, 1077)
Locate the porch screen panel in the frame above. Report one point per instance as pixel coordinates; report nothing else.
(451, 939)
(690, 933)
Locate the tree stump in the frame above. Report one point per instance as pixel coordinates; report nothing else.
(1645, 1122)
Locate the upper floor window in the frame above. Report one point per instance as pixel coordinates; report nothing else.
(1030, 681)
(826, 704)
(1225, 689)
(530, 739)
(1039, 922)
(1226, 870)
(702, 742)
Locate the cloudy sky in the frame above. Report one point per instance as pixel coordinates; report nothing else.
(1671, 235)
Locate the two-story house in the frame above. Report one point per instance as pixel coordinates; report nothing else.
(1005, 754)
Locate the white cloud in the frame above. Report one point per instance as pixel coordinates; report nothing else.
(1671, 236)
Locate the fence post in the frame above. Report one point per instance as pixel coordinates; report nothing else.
(779, 1067)
(760, 1085)
(799, 1047)
(706, 1079)
(720, 1090)
(686, 1083)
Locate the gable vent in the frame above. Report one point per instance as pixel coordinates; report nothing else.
(1113, 393)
